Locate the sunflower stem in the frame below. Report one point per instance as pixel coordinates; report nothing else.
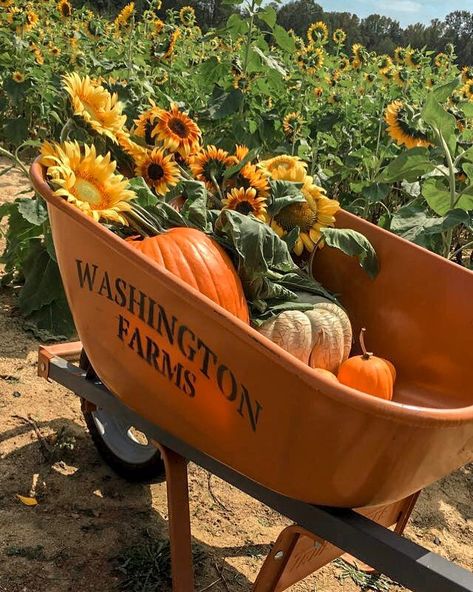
(247, 49)
(65, 130)
(217, 187)
(14, 158)
(448, 235)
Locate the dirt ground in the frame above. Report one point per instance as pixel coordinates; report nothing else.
(87, 516)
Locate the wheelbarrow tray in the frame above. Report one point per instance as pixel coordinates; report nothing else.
(185, 364)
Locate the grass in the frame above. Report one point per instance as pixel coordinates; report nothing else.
(366, 581)
(146, 566)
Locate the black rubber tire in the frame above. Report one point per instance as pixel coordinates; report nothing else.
(152, 470)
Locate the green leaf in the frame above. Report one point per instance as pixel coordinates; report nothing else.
(282, 194)
(52, 322)
(32, 210)
(298, 281)
(413, 223)
(145, 197)
(354, 244)
(42, 280)
(212, 70)
(270, 62)
(226, 104)
(408, 166)
(259, 248)
(437, 195)
(436, 116)
(468, 168)
(236, 25)
(283, 39)
(195, 206)
(468, 109)
(16, 131)
(269, 16)
(444, 92)
(376, 192)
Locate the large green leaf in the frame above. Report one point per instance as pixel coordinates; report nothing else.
(195, 206)
(443, 92)
(353, 244)
(269, 16)
(145, 197)
(283, 39)
(226, 104)
(32, 210)
(53, 321)
(437, 194)
(435, 115)
(413, 223)
(408, 166)
(42, 280)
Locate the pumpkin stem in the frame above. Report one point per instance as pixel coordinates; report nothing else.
(366, 354)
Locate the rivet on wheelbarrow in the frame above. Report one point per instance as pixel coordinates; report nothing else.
(279, 555)
(42, 367)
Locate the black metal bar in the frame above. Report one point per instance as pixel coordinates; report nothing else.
(405, 562)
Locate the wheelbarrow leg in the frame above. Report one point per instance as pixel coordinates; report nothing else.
(179, 520)
(298, 553)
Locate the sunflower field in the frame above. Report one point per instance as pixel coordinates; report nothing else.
(388, 137)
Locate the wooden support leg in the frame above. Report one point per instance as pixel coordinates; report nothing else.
(179, 520)
(298, 553)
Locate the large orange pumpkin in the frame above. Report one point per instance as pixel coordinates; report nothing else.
(200, 262)
(368, 373)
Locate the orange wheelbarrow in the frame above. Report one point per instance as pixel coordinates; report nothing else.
(206, 387)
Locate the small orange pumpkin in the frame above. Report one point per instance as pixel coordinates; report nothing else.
(200, 262)
(326, 374)
(368, 373)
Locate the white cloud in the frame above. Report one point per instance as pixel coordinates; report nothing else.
(400, 6)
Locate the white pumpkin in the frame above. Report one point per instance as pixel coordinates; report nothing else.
(321, 337)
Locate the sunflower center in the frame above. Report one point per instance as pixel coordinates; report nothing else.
(296, 215)
(178, 127)
(88, 191)
(244, 207)
(155, 172)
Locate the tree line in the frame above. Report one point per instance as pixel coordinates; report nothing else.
(378, 33)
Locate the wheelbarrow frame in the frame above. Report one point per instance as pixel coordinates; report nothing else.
(319, 534)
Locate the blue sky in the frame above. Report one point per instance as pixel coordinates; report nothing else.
(405, 11)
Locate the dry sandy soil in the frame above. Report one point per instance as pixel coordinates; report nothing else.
(87, 516)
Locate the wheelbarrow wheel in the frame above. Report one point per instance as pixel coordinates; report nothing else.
(127, 451)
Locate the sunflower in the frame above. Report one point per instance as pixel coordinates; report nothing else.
(64, 8)
(245, 201)
(93, 29)
(251, 176)
(400, 54)
(38, 56)
(48, 154)
(18, 77)
(240, 152)
(187, 16)
(344, 64)
(317, 32)
(358, 52)
(339, 36)
(369, 77)
(312, 59)
(209, 166)
(100, 109)
(55, 51)
(401, 76)
(165, 49)
(285, 168)
(136, 151)
(89, 181)
(291, 124)
(6, 3)
(318, 91)
(125, 15)
(442, 60)
(32, 19)
(467, 73)
(161, 77)
(158, 26)
(310, 216)
(400, 131)
(177, 132)
(413, 58)
(146, 123)
(385, 63)
(467, 89)
(159, 170)
(240, 81)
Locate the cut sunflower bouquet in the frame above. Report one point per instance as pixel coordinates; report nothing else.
(257, 222)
